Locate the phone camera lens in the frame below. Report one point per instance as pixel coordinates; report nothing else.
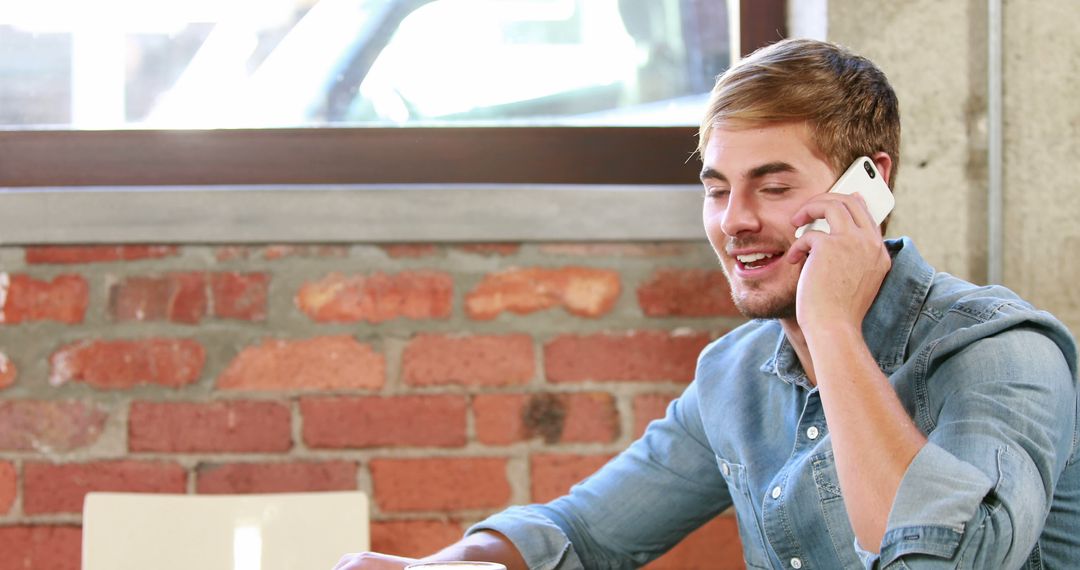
(869, 169)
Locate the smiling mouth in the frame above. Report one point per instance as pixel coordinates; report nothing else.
(752, 261)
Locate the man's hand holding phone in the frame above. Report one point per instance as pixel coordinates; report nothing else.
(861, 178)
(840, 239)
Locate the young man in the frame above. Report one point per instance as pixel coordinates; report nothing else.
(873, 414)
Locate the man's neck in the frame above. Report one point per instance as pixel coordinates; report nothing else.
(795, 336)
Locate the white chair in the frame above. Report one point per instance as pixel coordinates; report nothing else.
(139, 531)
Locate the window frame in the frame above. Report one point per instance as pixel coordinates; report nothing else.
(352, 155)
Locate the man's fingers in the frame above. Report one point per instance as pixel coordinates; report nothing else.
(843, 212)
(800, 249)
(833, 211)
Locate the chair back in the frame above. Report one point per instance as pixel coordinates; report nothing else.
(288, 531)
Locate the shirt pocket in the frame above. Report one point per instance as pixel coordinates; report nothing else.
(750, 531)
(833, 512)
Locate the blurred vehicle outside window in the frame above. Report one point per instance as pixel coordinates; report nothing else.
(210, 64)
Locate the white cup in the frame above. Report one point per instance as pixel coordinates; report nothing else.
(460, 565)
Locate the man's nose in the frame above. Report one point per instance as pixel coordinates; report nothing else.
(740, 216)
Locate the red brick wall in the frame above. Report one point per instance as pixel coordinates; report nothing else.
(446, 381)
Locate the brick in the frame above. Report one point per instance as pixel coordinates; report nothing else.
(293, 477)
(581, 291)
(499, 249)
(649, 407)
(493, 360)
(714, 546)
(687, 293)
(616, 249)
(322, 363)
(240, 296)
(498, 418)
(414, 538)
(572, 418)
(590, 417)
(121, 364)
(60, 488)
(40, 546)
(232, 252)
(273, 252)
(8, 486)
(554, 474)
(8, 371)
(637, 356)
(409, 250)
(176, 297)
(25, 299)
(443, 484)
(503, 419)
(378, 297)
(49, 427)
(97, 253)
(228, 426)
(376, 421)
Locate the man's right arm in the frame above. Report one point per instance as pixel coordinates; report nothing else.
(484, 546)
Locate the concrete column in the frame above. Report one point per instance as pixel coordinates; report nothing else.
(934, 53)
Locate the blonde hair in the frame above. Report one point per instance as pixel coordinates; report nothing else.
(844, 98)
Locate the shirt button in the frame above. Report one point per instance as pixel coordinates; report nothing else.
(812, 432)
(796, 563)
(725, 470)
(776, 492)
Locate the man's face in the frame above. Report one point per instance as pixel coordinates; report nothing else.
(755, 179)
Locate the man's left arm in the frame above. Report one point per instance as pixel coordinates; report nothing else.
(982, 483)
(979, 491)
(873, 438)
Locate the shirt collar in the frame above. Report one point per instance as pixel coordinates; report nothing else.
(887, 326)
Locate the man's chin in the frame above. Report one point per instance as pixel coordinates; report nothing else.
(765, 308)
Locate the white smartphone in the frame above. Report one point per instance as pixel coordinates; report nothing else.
(861, 177)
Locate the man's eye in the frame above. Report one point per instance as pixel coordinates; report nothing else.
(716, 193)
(775, 190)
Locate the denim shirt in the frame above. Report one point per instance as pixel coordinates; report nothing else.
(989, 380)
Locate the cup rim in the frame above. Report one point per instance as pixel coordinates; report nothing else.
(490, 565)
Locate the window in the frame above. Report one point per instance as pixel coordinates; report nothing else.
(647, 64)
(163, 64)
(598, 155)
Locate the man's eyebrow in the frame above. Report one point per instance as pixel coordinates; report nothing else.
(778, 167)
(770, 168)
(712, 174)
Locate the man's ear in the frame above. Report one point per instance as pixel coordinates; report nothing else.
(884, 164)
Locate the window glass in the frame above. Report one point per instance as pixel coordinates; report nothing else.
(109, 64)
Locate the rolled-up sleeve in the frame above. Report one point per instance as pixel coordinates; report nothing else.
(978, 492)
(633, 509)
(541, 542)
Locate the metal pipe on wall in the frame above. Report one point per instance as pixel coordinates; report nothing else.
(995, 162)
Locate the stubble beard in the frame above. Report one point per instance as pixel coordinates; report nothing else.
(778, 306)
(755, 303)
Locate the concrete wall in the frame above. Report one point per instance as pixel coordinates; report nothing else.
(935, 53)
(1042, 148)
